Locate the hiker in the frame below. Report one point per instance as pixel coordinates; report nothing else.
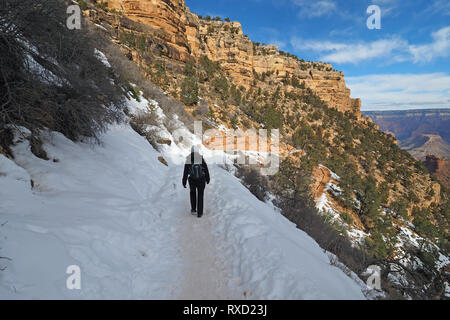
(197, 171)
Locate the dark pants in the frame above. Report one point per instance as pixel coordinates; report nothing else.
(197, 191)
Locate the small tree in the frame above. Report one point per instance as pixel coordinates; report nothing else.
(189, 91)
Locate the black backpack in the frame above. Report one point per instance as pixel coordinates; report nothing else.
(197, 172)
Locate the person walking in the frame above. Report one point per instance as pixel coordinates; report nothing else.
(197, 173)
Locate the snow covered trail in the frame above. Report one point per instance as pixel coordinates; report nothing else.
(115, 211)
(204, 275)
(123, 217)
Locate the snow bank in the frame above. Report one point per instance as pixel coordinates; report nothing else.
(273, 258)
(93, 208)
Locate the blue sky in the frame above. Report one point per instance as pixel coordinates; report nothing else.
(404, 65)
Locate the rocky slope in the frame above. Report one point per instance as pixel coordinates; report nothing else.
(184, 36)
(439, 167)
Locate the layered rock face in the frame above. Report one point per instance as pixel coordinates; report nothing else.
(189, 37)
(225, 42)
(439, 167)
(169, 17)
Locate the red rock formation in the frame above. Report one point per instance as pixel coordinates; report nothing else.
(440, 168)
(187, 37)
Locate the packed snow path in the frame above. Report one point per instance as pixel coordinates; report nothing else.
(204, 274)
(123, 217)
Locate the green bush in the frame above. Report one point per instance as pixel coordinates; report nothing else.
(422, 223)
(189, 69)
(209, 66)
(128, 38)
(141, 44)
(83, 5)
(235, 95)
(220, 85)
(135, 92)
(272, 118)
(400, 208)
(189, 91)
(347, 218)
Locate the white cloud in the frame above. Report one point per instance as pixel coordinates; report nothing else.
(394, 49)
(401, 91)
(339, 52)
(388, 7)
(440, 47)
(315, 9)
(438, 7)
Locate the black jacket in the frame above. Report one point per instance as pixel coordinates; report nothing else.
(187, 167)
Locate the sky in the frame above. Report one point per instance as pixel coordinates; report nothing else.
(403, 65)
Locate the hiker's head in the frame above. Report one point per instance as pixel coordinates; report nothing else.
(194, 149)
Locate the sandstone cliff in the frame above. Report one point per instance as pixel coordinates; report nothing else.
(440, 168)
(185, 36)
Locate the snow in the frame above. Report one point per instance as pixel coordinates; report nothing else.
(37, 69)
(46, 75)
(406, 236)
(101, 56)
(333, 175)
(123, 217)
(86, 211)
(100, 26)
(273, 258)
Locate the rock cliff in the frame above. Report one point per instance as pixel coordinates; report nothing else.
(185, 36)
(439, 167)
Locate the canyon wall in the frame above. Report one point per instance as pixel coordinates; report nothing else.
(440, 168)
(188, 37)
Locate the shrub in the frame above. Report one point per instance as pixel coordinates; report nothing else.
(141, 43)
(209, 66)
(234, 121)
(135, 92)
(236, 95)
(102, 5)
(83, 5)
(128, 38)
(189, 69)
(346, 217)
(422, 223)
(272, 118)
(189, 91)
(254, 181)
(71, 92)
(220, 85)
(129, 72)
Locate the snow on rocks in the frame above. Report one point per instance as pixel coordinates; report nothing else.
(101, 56)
